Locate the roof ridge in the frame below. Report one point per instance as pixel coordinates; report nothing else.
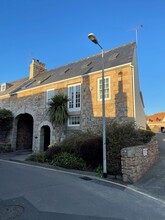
(132, 42)
(16, 81)
(159, 114)
(95, 55)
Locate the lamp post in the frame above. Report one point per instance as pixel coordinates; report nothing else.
(92, 37)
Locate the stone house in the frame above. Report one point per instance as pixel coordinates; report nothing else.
(28, 98)
(156, 122)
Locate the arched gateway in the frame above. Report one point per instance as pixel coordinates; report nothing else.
(24, 137)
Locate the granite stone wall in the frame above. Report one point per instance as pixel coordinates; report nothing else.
(136, 160)
(34, 106)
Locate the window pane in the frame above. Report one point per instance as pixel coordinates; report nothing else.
(74, 120)
(106, 93)
(74, 93)
(100, 84)
(106, 88)
(106, 83)
(77, 96)
(50, 94)
(100, 95)
(71, 97)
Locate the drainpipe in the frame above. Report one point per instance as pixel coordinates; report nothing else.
(133, 91)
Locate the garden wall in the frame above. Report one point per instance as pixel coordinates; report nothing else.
(136, 160)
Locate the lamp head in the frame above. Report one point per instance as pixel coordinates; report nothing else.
(92, 37)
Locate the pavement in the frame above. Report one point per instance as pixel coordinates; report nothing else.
(153, 181)
(151, 184)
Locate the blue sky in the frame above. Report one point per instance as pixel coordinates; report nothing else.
(55, 32)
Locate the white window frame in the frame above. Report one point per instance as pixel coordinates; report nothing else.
(100, 91)
(3, 87)
(74, 108)
(72, 117)
(48, 97)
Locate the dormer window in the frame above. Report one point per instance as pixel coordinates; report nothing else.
(3, 87)
(158, 119)
(113, 56)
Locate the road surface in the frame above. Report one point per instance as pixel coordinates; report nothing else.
(37, 193)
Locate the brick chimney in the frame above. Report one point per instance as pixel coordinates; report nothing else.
(36, 67)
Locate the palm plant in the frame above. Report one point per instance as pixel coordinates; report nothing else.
(58, 112)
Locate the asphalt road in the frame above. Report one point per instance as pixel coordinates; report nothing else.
(29, 192)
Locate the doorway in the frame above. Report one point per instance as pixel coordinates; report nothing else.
(24, 138)
(45, 137)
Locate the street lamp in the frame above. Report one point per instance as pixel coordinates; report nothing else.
(92, 37)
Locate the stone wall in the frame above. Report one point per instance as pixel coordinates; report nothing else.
(33, 105)
(136, 160)
(119, 106)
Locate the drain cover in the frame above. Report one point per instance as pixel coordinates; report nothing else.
(9, 212)
(85, 178)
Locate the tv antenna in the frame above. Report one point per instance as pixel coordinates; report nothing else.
(136, 31)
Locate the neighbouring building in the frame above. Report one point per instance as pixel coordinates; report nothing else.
(156, 122)
(28, 98)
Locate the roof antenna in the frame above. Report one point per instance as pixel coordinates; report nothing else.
(136, 31)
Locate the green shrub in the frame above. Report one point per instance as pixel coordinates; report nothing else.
(85, 145)
(99, 170)
(5, 114)
(68, 160)
(91, 151)
(84, 150)
(72, 143)
(146, 135)
(53, 151)
(6, 122)
(120, 136)
(5, 149)
(39, 157)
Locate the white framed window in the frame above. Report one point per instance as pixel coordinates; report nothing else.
(3, 87)
(49, 94)
(74, 120)
(106, 88)
(74, 95)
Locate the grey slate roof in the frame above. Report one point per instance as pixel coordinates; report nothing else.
(115, 57)
(14, 86)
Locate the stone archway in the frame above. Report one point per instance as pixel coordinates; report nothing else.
(24, 137)
(44, 137)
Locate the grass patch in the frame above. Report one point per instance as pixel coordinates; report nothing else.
(39, 157)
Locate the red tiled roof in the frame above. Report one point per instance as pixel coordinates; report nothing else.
(156, 117)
